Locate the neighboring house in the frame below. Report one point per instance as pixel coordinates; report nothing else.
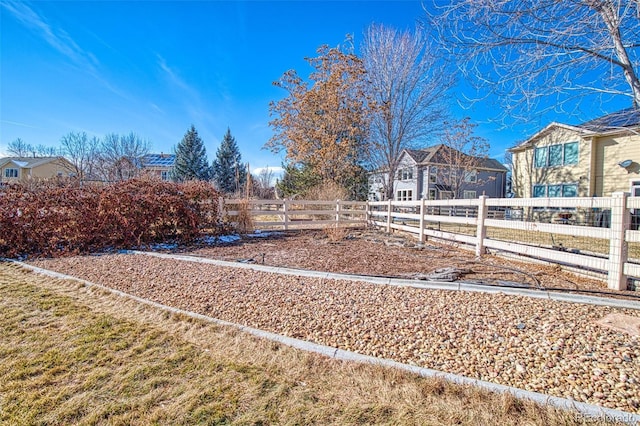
(159, 165)
(15, 169)
(440, 172)
(595, 158)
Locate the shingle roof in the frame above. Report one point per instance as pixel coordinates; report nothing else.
(28, 162)
(621, 119)
(419, 155)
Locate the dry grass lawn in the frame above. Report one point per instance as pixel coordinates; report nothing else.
(73, 355)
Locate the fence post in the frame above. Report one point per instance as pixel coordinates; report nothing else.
(481, 230)
(421, 238)
(389, 217)
(285, 210)
(337, 212)
(618, 248)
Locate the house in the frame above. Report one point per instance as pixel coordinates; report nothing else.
(440, 172)
(596, 158)
(159, 165)
(15, 169)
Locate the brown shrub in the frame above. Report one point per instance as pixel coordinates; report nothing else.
(56, 218)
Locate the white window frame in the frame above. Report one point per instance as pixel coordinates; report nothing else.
(164, 175)
(433, 174)
(469, 194)
(547, 155)
(11, 172)
(471, 176)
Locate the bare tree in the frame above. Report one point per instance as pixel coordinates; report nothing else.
(263, 184)
(407, 82)
(82, 151)
(20, 148)
(42, 150)
(460, 157)
(121, 156)
(545, 54)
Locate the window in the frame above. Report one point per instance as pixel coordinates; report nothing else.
(432, 194)
(471, 176)
(11, 173)
(405, 195)
(469, 194)
(556, 155)
(571, 153)
(405, 174)
(541, 157)
(164, 175)
(539, 191)
(433, 174)
(557, 190)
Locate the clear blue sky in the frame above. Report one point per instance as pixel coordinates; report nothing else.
(155, 68)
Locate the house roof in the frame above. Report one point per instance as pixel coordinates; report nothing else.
(29, 162)
(614, 122)
(159, 160)
(427, 156)
(624, 119)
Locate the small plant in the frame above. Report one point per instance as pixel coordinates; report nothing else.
(244, 219)
(336, 233)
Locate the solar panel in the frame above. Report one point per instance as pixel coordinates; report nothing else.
(162, 160)
(625, 118)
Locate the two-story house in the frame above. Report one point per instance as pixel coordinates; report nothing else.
(15, 169)
(595, 158)
(440, 172)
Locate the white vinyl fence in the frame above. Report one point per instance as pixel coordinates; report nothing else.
(595, 234)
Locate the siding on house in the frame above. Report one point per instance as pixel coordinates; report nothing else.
(597, 172)
(34, 168)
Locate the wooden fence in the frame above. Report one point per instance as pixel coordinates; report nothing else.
(298, 214)
(594, 234)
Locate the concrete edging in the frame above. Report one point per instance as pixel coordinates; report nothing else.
(587, 410)
(434, 285)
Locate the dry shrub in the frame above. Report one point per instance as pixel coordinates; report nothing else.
(57, 217)
(244, 219)
(336, 233)
(327, 191)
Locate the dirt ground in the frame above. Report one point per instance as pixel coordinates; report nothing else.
(377, 253)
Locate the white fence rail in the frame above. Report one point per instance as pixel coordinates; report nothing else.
(594, 234)
(494, 224)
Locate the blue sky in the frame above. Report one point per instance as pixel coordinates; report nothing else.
(155, 68)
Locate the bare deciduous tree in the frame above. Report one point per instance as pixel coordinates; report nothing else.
(20, 148)
(461, 155)
(545, 54)
(121, 156)
(82, 151)
(407, 82)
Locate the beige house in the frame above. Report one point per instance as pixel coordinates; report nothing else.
(595, 158)
(14, 169)
(159, 165)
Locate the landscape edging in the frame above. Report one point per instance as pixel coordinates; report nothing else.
(587, 410)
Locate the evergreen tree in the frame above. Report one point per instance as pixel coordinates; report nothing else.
(191, 159)
(228, 171)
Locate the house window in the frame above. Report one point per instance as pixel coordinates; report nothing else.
(405, 195)
(556, 155)
(469, 194)
(557, 190)
(571, 153)
(433, 174)
(164, 175)
(471, 176)
(405, 174)
(432, 194)
(11, 173)
(539, 191)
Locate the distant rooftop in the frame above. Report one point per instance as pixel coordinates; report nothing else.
(626, 118)
(159, 160)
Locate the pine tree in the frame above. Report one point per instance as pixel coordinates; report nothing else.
(191, 159)
(228, 171)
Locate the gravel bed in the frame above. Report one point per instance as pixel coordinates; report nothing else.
(540, 345)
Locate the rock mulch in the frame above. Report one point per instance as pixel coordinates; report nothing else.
(535, 344)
